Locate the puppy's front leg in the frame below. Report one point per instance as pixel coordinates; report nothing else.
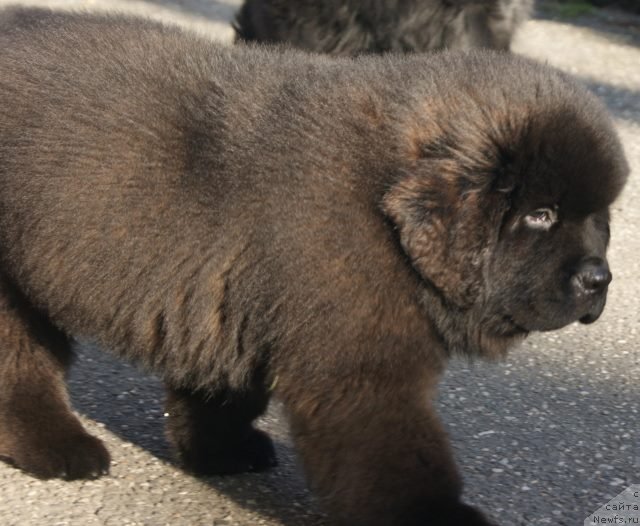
(379, 457)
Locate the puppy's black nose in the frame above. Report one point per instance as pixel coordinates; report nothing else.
(592, 276)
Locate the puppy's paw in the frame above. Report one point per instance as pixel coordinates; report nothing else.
(76, 456)
(252, 454)
(260, 452)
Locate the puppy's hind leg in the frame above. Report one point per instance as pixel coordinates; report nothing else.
(38, 431)
(214, 434)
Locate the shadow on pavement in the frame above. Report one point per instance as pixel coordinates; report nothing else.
(554, 432)
(622, 102)
(130, 404)
(622, 27)
(524, 422)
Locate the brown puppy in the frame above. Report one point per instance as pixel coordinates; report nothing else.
(248, 223)
(349, 27)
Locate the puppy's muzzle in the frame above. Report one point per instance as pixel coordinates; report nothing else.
(589, 283)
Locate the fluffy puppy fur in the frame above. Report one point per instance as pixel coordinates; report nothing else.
(249, 223)
(347, 27)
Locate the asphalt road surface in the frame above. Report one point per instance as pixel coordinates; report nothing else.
(546, 437)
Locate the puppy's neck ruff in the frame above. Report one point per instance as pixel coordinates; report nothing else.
(464, 331)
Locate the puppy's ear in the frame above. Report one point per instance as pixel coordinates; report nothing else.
(445, 227)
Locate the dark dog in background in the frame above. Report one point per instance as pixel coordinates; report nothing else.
(348, 27)
(250, 223)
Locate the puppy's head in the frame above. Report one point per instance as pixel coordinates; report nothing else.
(503, 207)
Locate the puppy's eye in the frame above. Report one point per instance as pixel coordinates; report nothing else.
(542, 218)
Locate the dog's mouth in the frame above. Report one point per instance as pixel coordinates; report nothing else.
(552, 323)
(595, 311)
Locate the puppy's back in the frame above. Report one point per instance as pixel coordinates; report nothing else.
(97, 115)
(138, 162)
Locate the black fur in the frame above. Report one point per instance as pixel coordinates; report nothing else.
(347, 27)
(249, 223)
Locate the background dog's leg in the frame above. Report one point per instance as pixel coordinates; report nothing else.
(38, 431)
(213, 434)
(379, 460)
